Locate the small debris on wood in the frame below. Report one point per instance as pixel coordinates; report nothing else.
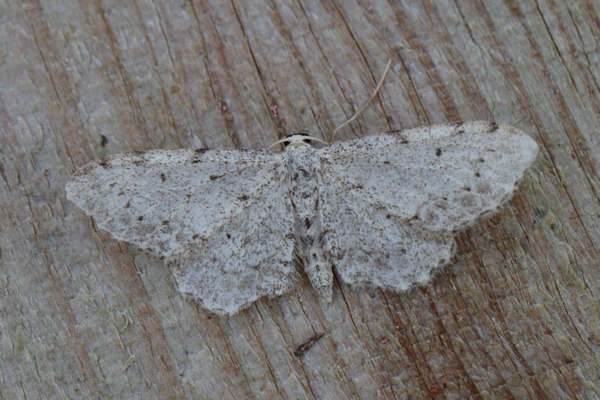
(304, 347)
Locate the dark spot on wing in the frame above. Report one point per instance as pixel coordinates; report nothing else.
(243, 197)
(140, 218)
(413, 218)
(163, 177)
(306, 195)
(438, 152)
(307, 223)
(103, 140)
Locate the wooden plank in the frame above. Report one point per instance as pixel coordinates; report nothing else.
(84, 316)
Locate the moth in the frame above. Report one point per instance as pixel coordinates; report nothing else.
(233, 225)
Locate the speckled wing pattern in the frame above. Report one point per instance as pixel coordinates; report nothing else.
(221, 218)
(383, 210)
(391, 203)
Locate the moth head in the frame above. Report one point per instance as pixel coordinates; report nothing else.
(298, 140)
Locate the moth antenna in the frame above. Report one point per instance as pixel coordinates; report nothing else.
(316, 139)
(366, 103)
(277, 142)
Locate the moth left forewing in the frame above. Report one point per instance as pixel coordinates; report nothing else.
(441, 178)
(482, 163)
(391, 203)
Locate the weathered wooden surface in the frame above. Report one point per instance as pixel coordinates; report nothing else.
(83, 316)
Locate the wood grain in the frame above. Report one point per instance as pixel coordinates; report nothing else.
(517, 315)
